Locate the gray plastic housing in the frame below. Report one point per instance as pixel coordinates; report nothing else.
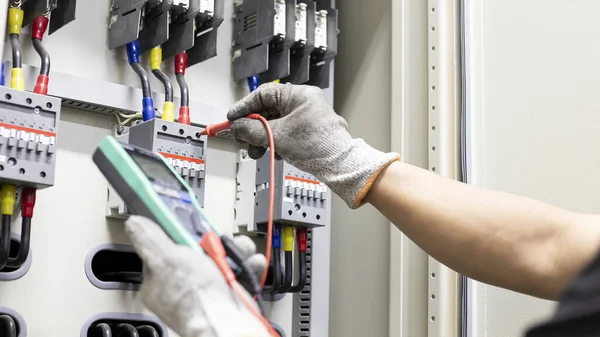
(182, 146)
(28, 132)
(300, 199)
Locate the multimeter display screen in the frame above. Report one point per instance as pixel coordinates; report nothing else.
(156, 170)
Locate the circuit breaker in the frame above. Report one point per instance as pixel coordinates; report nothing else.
(28, 131)
(264, 33)
(182, 146)
(300, 198)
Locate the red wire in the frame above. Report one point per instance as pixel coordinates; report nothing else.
(213, 130)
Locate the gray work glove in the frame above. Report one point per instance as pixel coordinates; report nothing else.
(185, 288)
(311, 136)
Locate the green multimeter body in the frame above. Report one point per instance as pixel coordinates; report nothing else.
(151, 188)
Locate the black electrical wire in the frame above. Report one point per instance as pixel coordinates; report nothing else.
(302, 274)
(126, 330)
(137, 67)
(104, 329)
(5, 240)
(276, 285)
(185, 93)
(17, 57)
(44, 56)
(147, 331)
(164, 79)
(248, 276)
(24, 247)
(8, 326)
(278, 329)
(289, 272)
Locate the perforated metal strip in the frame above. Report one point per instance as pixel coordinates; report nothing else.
(301, 312)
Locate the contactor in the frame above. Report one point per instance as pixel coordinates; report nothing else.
(182, 146)
(300, 198)
(28, 130)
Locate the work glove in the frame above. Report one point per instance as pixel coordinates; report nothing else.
(186, 289)
(311, 136)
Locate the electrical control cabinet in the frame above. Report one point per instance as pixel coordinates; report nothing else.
(300, 199)
(182, 146)
(28, 135)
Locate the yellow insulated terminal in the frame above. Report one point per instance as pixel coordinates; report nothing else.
(7, 199)
(168, 113)
(155, 58)
(288, 239)
(15, 20)
(17, 81)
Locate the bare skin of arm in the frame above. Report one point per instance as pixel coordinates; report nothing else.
(501, 239)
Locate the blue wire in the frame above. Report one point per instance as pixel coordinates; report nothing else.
(2, 75)
(276, 236)
(133, 55)
(253, 82)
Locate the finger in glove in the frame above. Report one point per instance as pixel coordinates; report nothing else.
(266, 100)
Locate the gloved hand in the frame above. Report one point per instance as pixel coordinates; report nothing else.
(186, 290)
(311, 136)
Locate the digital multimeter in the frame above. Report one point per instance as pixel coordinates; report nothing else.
(150, 187)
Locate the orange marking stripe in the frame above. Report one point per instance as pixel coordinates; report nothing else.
(174, 156)
(22, 128)
(302, 180)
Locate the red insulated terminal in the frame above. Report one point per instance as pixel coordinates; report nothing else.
(39, 26)
(301, 238)
(181, 61)
(184, 115)
(28, 202)
(41, 86)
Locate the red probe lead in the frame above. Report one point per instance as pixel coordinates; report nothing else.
(213, 130)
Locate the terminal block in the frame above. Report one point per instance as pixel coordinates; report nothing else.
(263, 35)
(326, 32)
(300, 56)
(208, 20)
(61, 12)
(182, 146)
(300, 199)
(28, 131)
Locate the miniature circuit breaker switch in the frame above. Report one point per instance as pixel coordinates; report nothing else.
(182, 146)
(28, 130)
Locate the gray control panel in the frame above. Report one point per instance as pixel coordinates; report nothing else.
(182, 146)
(300, 199)
(28, 134)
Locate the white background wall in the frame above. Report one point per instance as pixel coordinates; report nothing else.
(535, 99)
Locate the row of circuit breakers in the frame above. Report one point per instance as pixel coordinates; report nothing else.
(293, 41)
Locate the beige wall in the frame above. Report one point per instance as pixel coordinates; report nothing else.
(360, 239)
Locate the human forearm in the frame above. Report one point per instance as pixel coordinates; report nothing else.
(505, 240)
